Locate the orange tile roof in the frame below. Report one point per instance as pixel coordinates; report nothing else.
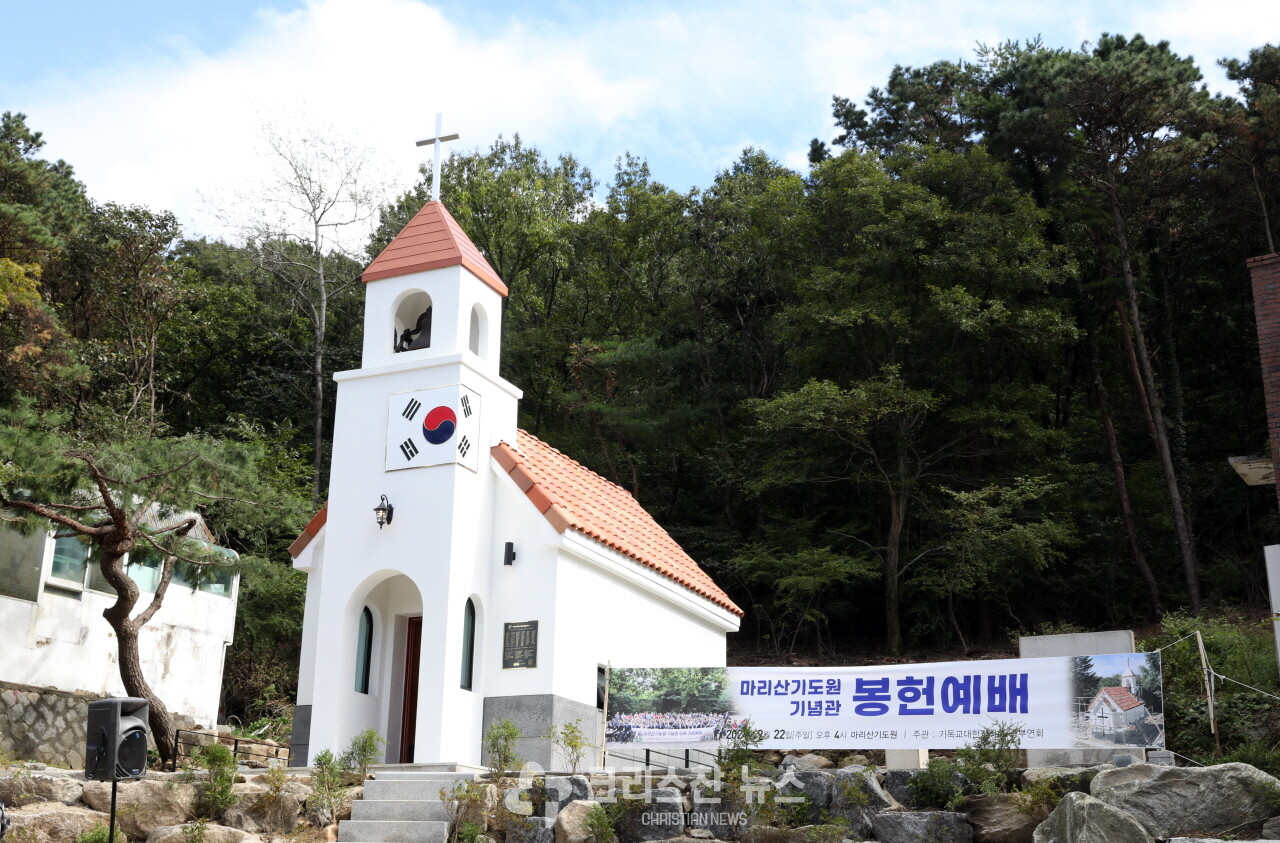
(431, 240)
(1121, 697)
(309, 532)
(571, 495)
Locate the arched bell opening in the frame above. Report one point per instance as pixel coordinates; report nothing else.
(478, 335)
(412, 328)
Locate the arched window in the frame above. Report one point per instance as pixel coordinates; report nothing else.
(477, 336)
(468, 645)
(364, 651)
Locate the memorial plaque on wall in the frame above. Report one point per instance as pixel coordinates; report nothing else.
(519, 644)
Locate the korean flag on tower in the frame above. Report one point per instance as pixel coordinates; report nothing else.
(434, 427)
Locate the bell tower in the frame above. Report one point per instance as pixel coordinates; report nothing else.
(404, 596)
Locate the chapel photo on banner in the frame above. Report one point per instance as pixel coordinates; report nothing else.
(1119, 700)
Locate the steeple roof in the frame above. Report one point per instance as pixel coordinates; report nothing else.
(431, 240)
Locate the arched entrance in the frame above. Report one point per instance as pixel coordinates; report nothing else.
(387, 634)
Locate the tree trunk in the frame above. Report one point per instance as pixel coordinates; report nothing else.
(1122, 490)
(135, 685)
(126, 630)
(892, 560)
(1186, 542)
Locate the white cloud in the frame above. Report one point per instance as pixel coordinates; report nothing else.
(683, 86)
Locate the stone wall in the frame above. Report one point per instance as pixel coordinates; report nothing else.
(48, 725)
(43, 724)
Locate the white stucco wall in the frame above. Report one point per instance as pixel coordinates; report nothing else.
(62, 641)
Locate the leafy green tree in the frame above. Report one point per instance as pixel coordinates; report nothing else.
(1133, 109)
(114, 289)
(121, 496)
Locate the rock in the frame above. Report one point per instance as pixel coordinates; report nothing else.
(997, 819)
(1064, 779)
(27, 789)
(1080, 818)
(699, 834)
(856, 760)
(856, 798)
(914, 826)
(561, 790)
(814, 785)
(316, 815)
(1230, 798)
(142, 806)
(814, 762)
(1271, 829)
(211, 834)
(658, 818)
(531, 830)
(899, 785)
(259, 811)
(771, 756)
(52, 822)
(714, 813)
(571, 823)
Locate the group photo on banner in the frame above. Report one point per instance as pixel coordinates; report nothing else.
(1070, 702)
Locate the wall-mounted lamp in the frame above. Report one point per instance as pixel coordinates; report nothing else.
(509, 553)
(383, 512)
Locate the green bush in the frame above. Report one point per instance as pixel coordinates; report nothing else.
(1237, 647)
(600, 823)
(328, 781)
(364, 749)
(214, 789)
(935, 786)
(991, 760)
(500, 740)
(98, 834)
(1265, 758)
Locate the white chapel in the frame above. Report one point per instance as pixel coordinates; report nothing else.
(498, 577)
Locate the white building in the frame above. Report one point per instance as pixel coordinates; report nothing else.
(507, 576)
(51, 600)
(1115, 707)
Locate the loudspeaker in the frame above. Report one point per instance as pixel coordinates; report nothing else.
(116, 746)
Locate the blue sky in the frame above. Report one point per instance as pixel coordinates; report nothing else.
(164, 103)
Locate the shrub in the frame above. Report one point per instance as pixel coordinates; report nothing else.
(600, 823)
(1265, 758)
(98, 834)
(990, 761)
(935, 786)
(214, 790)
(572, 743)
(327, 780)
(363, 750)
(500, 740)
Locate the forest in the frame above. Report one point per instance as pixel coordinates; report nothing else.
(979, 369)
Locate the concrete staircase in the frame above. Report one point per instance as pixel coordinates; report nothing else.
(402, 804)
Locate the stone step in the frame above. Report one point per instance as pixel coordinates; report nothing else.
(406, 789)
(399, 809)
(392, 831)
(424, 775)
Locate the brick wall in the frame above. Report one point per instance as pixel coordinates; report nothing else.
(1265, 272)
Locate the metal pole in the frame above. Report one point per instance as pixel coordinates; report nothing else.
(1207, 675)
(111, 833)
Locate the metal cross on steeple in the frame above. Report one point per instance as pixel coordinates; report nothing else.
(435, 168)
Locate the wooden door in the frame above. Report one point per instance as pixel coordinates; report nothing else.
(409, 718)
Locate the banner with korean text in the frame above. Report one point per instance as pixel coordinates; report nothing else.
(1057, 703)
